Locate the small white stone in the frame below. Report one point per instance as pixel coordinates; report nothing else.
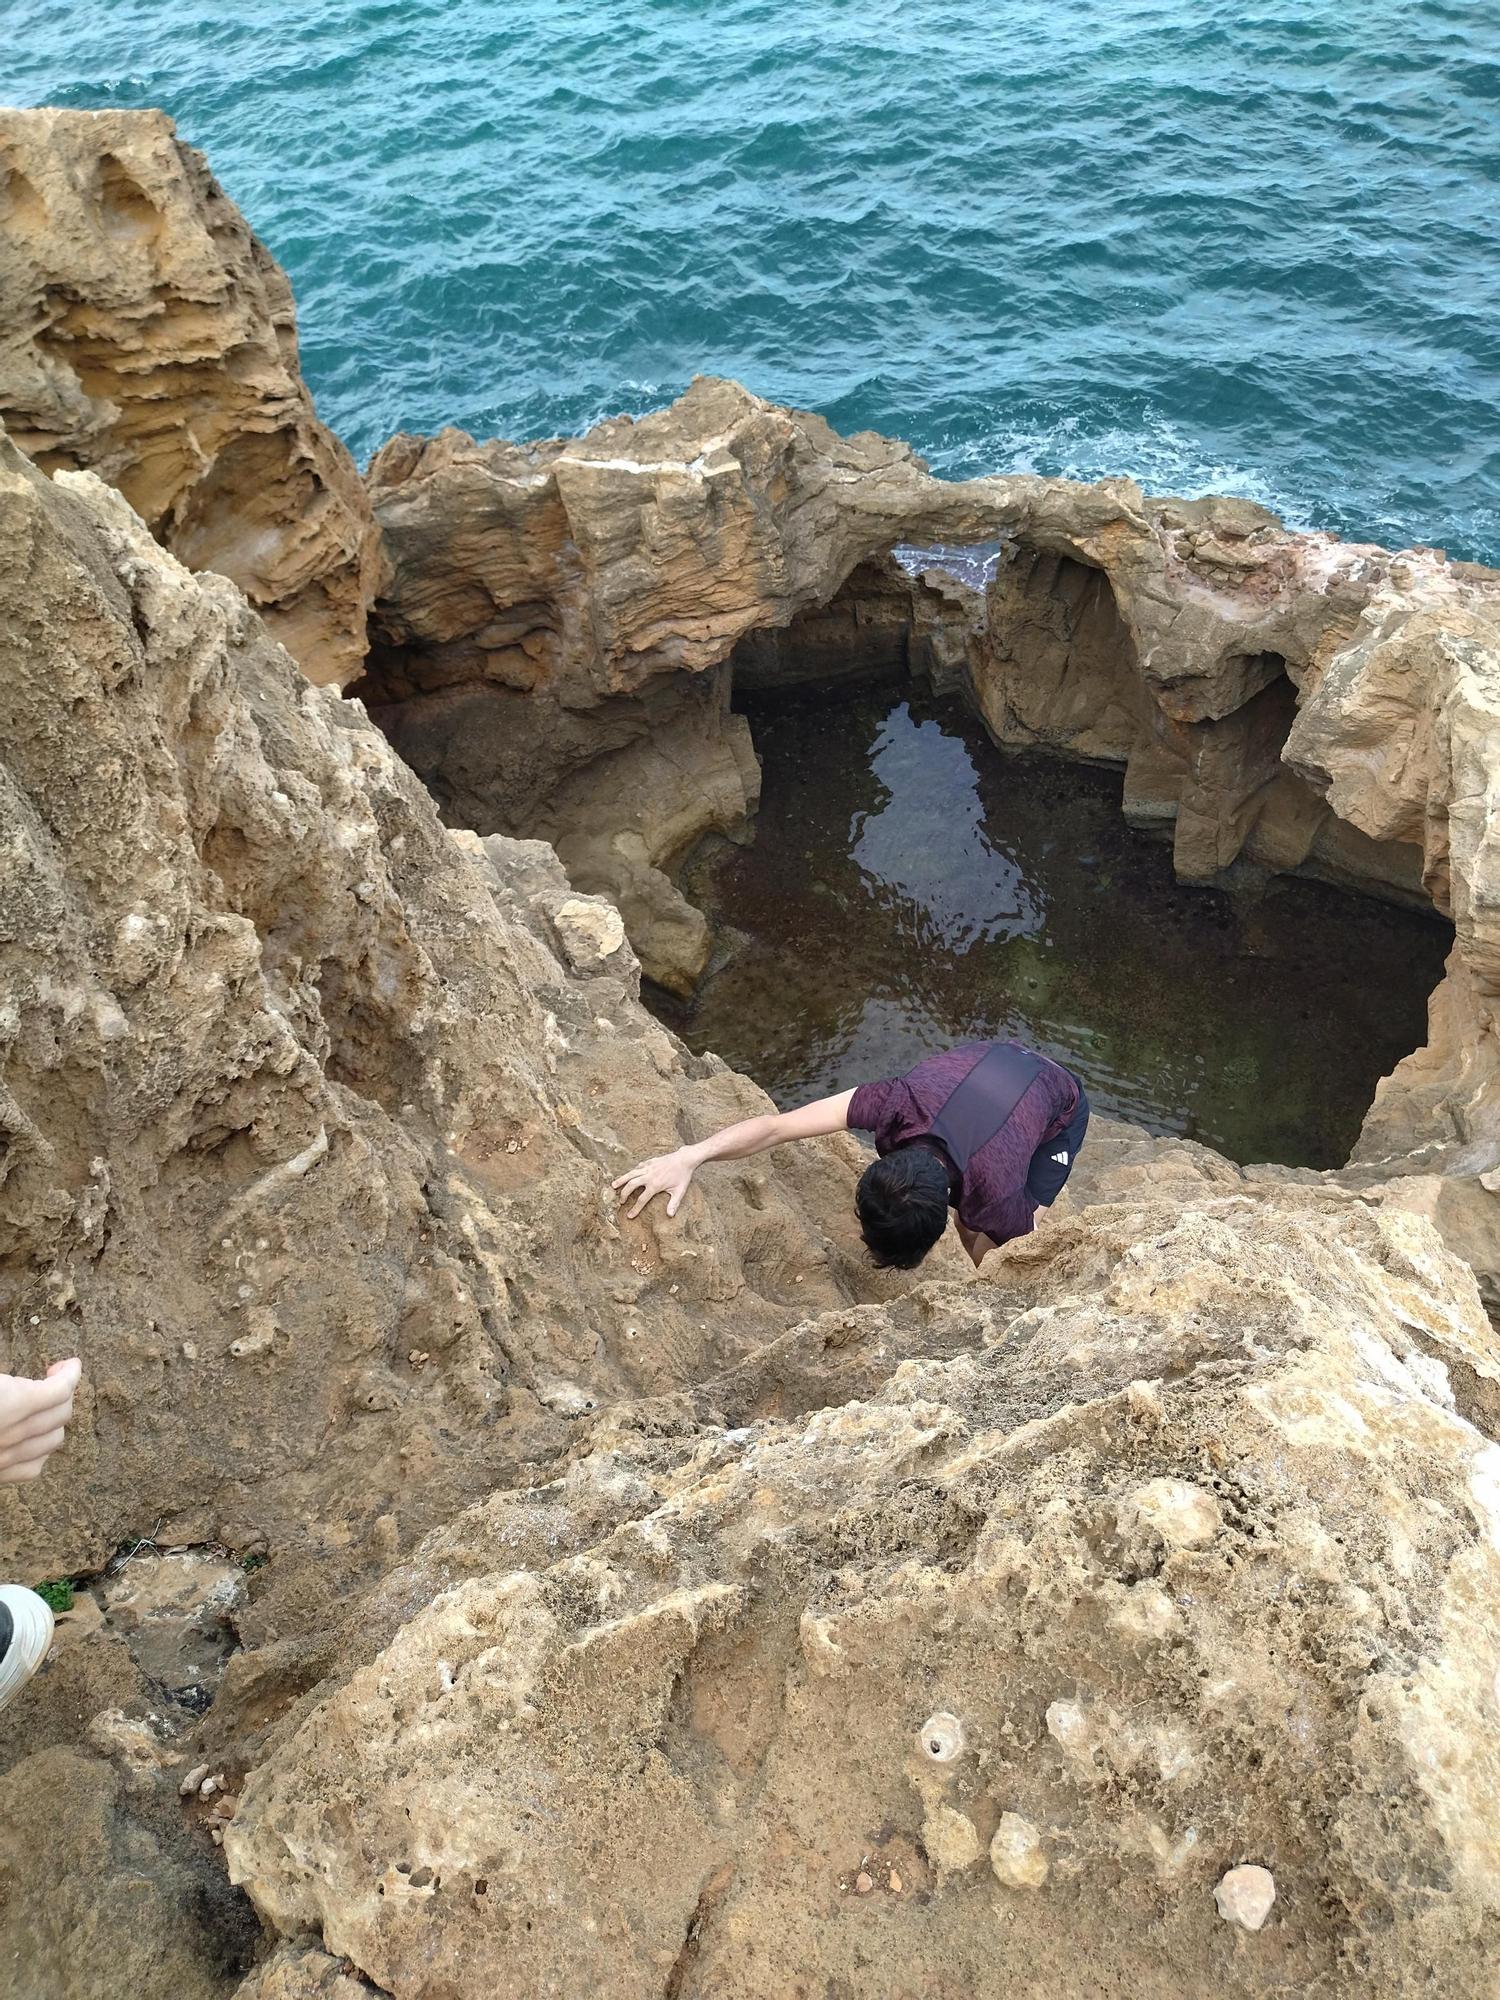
(590, 932)
(193, 1779)
(1182, 1514)
(1068, 1725)
(1245, 1896)
(1016, 1853)
(1145, 1612)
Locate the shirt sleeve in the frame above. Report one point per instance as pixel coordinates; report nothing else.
(872, 1105)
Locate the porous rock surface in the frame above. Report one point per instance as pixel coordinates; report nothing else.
(1188, 1516)
(147, 334)
(309, 1118)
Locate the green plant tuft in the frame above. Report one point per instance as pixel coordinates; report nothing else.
(57, 1595)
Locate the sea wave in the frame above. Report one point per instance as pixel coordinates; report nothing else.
(1219, 247)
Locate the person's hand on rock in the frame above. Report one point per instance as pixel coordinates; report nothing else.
(668, 1174)
(33, 1418)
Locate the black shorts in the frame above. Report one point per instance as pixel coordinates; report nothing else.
(1052, 1161)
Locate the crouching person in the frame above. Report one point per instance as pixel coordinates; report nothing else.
(990, 1130)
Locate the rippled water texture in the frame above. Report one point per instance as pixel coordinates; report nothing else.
(1216, 245)
(910, 886)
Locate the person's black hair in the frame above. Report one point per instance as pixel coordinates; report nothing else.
(902, 1202)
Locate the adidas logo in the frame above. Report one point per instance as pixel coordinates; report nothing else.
(1061, 1159)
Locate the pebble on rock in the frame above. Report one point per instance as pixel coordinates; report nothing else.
(951, 1840)
(1016, 1853)
(1245, 1896)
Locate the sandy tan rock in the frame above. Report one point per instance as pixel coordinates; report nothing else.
(146, 334)
(297, 1972)
(1283, 698)
(1017, 1854)
(1176, 1531)
(590, 932)
(717, 1684)
(548, 587)
(296, 1087)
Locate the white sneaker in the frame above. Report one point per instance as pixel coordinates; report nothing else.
(30, 1638)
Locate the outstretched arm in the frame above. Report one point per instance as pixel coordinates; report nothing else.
(670, 1173)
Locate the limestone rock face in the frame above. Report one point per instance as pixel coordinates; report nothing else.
(553, 646)
(1402, 730)
(310, 1107)
(678, 1607)
(146, 334)
(1183, 1519)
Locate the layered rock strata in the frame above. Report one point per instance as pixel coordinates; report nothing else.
(148, 335)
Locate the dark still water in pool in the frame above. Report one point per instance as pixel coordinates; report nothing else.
(910, 886)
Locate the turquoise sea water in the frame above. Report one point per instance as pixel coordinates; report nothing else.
(1222, 246)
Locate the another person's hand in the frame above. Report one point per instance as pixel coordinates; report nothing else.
(668, 1174)
(33, 1418)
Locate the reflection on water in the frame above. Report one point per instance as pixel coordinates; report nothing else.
(910, 886)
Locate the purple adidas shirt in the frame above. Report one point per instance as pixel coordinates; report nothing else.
(992, 1196)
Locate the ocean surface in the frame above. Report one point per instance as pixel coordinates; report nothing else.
(1220, 246)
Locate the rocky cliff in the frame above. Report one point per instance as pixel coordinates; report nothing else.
(989, 1633)
(295, 1094)
(147, 334)
(554, 647)
(498, 1596)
